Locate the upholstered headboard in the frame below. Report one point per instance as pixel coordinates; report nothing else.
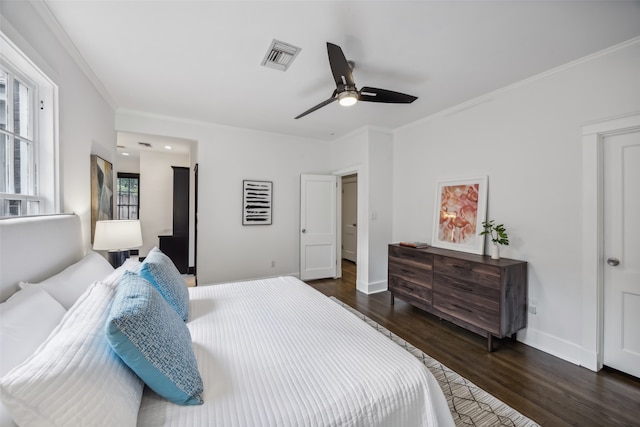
(36, 247)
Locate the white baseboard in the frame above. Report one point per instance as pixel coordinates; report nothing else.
(372, 287)
(555, 346)
(590, 360)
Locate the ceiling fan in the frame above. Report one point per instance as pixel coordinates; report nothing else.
(347, 93)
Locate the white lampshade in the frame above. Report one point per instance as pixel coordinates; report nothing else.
(117, 235)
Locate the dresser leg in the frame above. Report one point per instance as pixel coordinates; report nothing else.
(489, 342)
(393, 299)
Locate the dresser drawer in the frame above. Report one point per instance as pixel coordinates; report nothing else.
(479, 273)
(410, 256)
(475, 304)
(421, 274)
(414, 291)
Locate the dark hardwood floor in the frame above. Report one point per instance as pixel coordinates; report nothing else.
(546, 389)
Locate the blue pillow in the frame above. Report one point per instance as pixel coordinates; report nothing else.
(162, 273)
(153, 341)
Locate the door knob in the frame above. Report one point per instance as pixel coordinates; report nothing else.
(613, 261)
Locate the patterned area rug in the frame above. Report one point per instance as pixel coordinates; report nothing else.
(469, 404)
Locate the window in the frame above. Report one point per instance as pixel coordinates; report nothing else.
(128, 195)
(28, 140)
(19, 181)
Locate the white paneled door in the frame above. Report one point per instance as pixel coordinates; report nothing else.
(318, 219)
(622, 252)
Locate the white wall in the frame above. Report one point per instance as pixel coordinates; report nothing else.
(228, 251)
(527, 140)
(130, 164)
(380, 207)
(156, 195)
(85, 118)
(369, 151)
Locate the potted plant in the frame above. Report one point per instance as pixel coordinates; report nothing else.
(498, 236)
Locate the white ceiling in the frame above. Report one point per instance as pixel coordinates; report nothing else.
(130, 143)
(200, 60)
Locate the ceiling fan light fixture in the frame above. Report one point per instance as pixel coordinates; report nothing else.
(348, 98)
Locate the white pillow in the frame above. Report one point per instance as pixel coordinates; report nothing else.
(69, 284)
(75, 378)
(26, 320)
(22, 331)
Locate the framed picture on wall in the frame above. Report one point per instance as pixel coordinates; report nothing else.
(256, 202)
(460, 209)
(101, 191)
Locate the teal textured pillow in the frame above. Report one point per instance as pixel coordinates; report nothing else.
(160, 271)
(153, 341)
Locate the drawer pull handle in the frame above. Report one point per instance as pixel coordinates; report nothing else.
(462, 308)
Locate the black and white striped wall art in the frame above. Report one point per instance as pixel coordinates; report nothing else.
(256, 202)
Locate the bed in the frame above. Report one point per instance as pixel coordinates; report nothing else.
(271, 352)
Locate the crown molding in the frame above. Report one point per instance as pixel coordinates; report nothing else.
(488, 97)
(125, 114)
(47, 16)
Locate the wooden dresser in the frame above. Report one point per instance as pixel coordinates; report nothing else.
(481, 294)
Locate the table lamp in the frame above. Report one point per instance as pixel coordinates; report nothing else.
(117, 237)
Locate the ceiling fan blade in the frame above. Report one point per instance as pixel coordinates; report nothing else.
(372, 94)
(317, 107)
(339, 65)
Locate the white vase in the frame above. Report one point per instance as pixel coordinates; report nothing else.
(495, 251)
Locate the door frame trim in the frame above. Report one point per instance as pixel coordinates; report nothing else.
(341, 197)
(362, 261)
(593, 135)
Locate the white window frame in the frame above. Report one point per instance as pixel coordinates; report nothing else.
(127, 175)
(30, 193)
(44, 161)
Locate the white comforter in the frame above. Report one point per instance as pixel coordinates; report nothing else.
(278, 353)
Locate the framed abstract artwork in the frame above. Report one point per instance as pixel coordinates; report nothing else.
(460, 209)
(256, 202)
(101, 191)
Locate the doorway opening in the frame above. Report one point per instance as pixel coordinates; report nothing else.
(349, 222)
(321, 227)
(151, 160)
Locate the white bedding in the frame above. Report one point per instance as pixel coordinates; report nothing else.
(278, 353)
(271, 352)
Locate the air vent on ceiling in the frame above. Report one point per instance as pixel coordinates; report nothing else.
(280, 55)
(145, 144)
